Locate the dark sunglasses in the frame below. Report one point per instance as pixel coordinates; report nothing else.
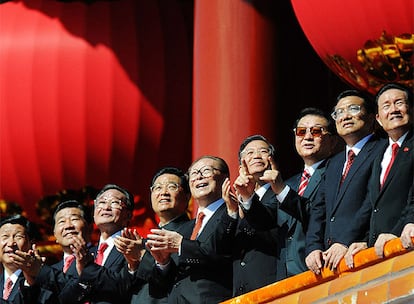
(315, 131)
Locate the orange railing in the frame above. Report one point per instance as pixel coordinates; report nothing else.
(308, 279)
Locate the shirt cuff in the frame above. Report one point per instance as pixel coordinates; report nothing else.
(232, 214)
(282, 195)
(163, 267)
(247, 204)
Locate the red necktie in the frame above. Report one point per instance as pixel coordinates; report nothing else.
(304, 181)
(100, 253)
(395, 148)
(68, 261)
(7, 288)
(197, 225)
(351, 156)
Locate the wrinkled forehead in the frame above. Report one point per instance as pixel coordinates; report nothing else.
(256, 144)
(112, 194)
(12, 229)
(167, 178)
(204, 162)
(391, 95)
(347, 100)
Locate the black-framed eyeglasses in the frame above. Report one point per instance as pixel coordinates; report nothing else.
(114, 204)
(315, 131)
(352, 109)
(206, 171)
(171, 187)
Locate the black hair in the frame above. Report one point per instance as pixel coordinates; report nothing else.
(174, 171)
(17, 219)
(394, 85)
(224, 168)
(86, 213)
(368, 102)
(129, 197)
(317, 112)
(253, 138)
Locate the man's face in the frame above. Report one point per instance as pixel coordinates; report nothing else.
(110, 210)
(313, 147)
(12, 237)
(256, 155)
(206, 179)
(69, 222)
(393, 111)
(167, 195)
(350, 124)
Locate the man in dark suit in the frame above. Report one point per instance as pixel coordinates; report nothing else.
(256, 254)
(113, 211)
(193, 257)
(103, 275)
(384, 208)
(344, 185)
(170, 195)
(16, 237)
(315, 140)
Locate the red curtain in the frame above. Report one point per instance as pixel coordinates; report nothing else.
(91, 94)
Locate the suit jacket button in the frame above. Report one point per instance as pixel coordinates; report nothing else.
(333, 219)
(375, 210)
(243, 264)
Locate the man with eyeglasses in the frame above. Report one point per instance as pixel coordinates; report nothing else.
(315, 140)
(344, 185)
(388, 205)
(170, 195)
(103, 275)
(257, 259)
(192, 258)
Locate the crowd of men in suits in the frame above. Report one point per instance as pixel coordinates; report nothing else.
(356, 191)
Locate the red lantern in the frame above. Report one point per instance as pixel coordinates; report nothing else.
(366, 43)
(85, 90)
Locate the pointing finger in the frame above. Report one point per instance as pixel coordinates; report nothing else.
(243, 168)
(272, 163)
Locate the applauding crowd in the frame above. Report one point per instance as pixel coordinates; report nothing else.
(355, 191)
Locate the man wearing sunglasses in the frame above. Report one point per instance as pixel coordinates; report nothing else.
(344, 185)
(315, 141)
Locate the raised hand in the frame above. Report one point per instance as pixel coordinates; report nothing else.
(229, 197)
(29, 262)
(273, 176)
(244, 183)
(162, 243)
(81, 252)
(164, 240)
(131, 246)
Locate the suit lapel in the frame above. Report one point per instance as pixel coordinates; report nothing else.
(112, 257)
(402, 159)
(358, 162)
(211, 225)
(16, 287)
(314, 181)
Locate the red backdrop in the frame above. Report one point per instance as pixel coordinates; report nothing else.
(91, 94)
